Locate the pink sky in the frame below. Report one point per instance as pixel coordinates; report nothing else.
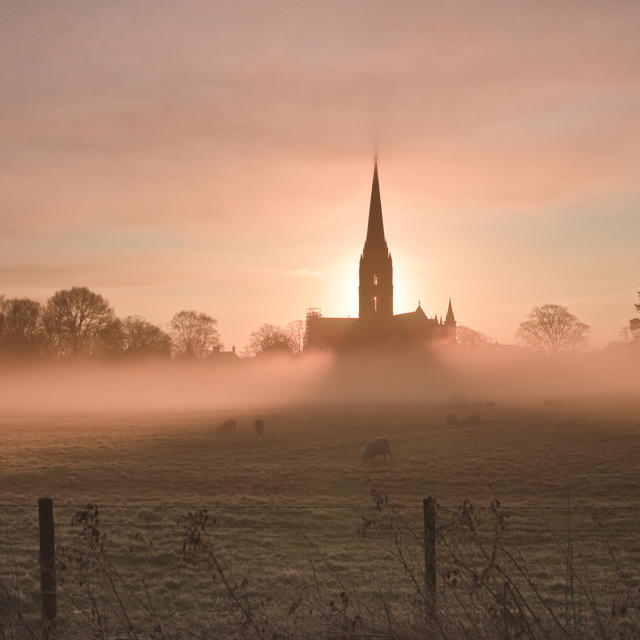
(218, 156)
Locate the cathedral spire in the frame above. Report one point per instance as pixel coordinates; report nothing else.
(376, 267)
(450, 319)
(375, 228)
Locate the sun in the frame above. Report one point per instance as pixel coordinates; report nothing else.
(343, 301)
(347, 302)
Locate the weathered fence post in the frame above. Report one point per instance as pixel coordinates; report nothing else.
(47, 559)
(429, 508)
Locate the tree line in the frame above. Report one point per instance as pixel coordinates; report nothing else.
(552, 328)
(79, 323)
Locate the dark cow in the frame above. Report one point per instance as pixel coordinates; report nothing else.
(258, 427)
(375, 448)
(227, 427)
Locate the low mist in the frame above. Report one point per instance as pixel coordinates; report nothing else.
(454, 376)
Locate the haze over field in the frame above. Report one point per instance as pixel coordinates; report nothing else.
(219, 157)
(476, 376)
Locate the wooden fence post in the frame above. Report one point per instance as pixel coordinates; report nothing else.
(429, 509)
(47, 559)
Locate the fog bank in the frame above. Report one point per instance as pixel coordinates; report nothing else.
(499, 375)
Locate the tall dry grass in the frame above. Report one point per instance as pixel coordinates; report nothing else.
(486, 588)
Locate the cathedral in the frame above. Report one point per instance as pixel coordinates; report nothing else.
(376, 324)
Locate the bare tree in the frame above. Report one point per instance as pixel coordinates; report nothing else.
(471, 339)
(269, 338)
(20, 327)
(297, 335)
(624, 334)
(109, 341)
(193, 334)
(75, 320)
(141, 338)
(634, 323)
(552, 329)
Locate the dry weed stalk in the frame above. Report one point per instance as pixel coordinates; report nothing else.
(486, 589)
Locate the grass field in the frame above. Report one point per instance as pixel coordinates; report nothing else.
(291, 509)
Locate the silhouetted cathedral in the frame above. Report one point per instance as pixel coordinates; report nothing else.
(376, 324)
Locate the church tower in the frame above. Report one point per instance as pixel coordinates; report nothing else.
(376, 268)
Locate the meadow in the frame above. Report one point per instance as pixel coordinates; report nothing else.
(300, 537)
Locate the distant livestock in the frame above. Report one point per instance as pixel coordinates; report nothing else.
(474, 418)
(452, 420)
(258, 427)
(557, 403)
(375, 448)
(227, 427)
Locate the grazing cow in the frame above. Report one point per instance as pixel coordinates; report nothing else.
(258, 427)
(227, 427)
(557, 403)
(474, 418)
(452, 420)
(375, 448)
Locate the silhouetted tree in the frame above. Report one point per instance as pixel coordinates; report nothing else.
(77, 321)
(634, 323)
(193, 334)
(624, 334)
(551, 328)
(297, 334)
(471, 339)
(109, 342)
(269, 338)
(20, 327)
(140, 338)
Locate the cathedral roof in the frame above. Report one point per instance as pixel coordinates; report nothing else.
(418, 315)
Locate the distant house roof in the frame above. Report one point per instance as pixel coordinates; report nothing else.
(224, 356)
